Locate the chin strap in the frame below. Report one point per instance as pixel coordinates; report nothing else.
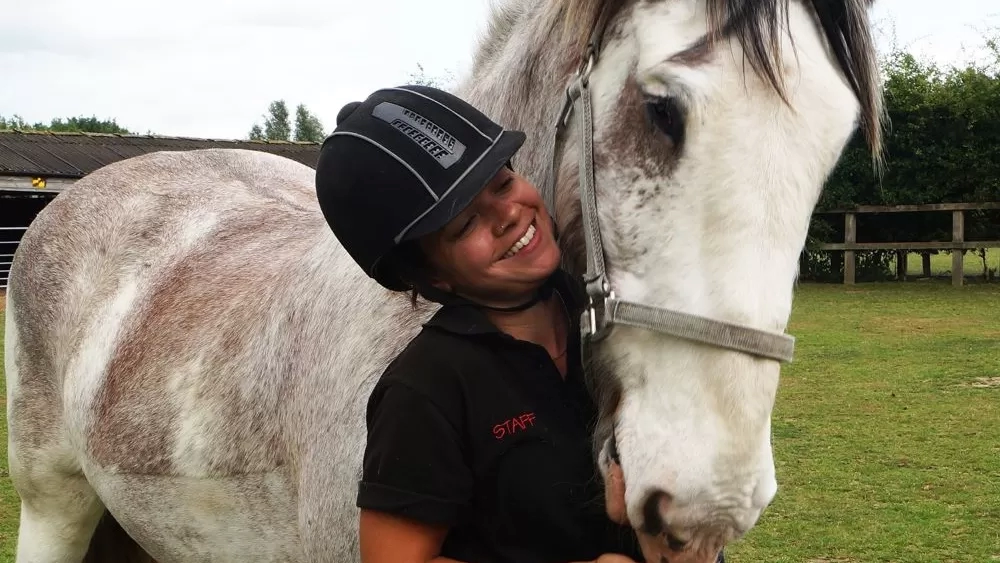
(454, 299)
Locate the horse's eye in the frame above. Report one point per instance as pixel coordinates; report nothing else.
(665, 114)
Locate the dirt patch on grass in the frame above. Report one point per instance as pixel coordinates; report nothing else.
(916, 325)
(3, 300)
(983, 383)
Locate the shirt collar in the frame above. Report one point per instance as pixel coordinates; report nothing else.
(471, 320)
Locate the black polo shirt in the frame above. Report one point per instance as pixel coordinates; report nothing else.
(471, 428)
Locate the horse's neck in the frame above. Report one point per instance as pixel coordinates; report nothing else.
(519, 78)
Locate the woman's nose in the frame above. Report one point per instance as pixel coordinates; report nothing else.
(503, 226)
(506, 216)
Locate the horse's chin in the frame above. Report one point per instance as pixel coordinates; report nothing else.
(656, 548)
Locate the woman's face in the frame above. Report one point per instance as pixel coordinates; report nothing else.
(500, 248)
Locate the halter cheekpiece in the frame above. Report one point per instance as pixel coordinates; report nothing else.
(604, 309)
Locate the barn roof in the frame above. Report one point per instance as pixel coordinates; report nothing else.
(73, 155)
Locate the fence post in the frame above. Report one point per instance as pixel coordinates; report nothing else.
(957, 255)
(850, 237)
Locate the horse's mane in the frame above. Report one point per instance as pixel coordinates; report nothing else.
(756, 24)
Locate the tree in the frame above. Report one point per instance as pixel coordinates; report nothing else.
(307, 126)
(71, 124)
(277, 126)
(420, 78)
(15, 122)
(944, 146)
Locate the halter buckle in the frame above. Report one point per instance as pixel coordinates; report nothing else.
(596, 318)
(587, 65)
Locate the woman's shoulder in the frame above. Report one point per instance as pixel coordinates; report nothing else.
(432, 367)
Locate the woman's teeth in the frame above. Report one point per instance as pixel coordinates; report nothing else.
(530, 234)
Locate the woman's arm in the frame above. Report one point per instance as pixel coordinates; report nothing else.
(386, 538)
(390, 539)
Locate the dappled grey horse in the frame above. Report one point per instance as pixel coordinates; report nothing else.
(189, 350)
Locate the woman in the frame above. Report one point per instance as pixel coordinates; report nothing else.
(479, 431)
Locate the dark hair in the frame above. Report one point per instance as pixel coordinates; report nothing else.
(408, 263)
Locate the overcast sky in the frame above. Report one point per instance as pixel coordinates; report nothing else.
(209, 68)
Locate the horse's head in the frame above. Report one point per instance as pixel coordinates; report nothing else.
(715, 125)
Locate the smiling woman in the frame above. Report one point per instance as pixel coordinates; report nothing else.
(499, 466)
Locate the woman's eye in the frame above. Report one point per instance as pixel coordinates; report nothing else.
(466, 227)
(666, 116)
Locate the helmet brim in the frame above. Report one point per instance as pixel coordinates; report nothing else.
(459, 196)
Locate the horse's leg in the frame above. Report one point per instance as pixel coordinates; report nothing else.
(59, 513)
(59, 508)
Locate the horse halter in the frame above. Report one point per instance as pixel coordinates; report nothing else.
(603, 307)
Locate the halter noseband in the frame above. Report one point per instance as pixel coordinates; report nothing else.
(603, 307)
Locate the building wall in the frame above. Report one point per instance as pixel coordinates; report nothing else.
(33, 185)
(17, 210)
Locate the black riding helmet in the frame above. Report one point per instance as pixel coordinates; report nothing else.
(402, 164)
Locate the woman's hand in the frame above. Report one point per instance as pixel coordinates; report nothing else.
(614, 502)
(654, 548)
(614, 495)
(610, 558)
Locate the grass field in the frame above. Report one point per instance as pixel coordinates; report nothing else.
(886, 431)
(972, 264)
(887, 428)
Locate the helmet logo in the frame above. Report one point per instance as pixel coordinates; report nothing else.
(438, 143)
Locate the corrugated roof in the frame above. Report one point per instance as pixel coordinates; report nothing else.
(73, 155)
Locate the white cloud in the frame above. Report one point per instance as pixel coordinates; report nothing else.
(209, 68)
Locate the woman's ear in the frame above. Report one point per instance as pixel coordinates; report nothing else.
(440, 284)
(431, 270)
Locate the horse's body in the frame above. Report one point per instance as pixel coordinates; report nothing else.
(189, 347)
(207, 354)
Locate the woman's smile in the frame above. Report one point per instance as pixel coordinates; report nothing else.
(525, 244)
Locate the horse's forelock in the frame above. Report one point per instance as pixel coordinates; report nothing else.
(758, 24)
(581, 17)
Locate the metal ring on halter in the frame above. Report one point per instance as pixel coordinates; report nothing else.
(597, 328)
(588, 68)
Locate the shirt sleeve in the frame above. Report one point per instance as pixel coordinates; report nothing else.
(414, 464)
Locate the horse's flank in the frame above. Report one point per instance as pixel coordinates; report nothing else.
(198, 301)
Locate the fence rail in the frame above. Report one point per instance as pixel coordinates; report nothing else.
(957, 242)
(9, 247)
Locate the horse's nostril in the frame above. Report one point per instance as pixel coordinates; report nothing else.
(675, 543)
(652, 515)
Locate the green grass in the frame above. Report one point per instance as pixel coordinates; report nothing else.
(10, 505)
(886, 430)
(941, 263)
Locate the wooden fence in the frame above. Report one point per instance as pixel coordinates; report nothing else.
(957, 242)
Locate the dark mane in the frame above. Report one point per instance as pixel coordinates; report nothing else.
(758, 25)
(845, 24)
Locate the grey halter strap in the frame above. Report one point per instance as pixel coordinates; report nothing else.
(603, 307)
